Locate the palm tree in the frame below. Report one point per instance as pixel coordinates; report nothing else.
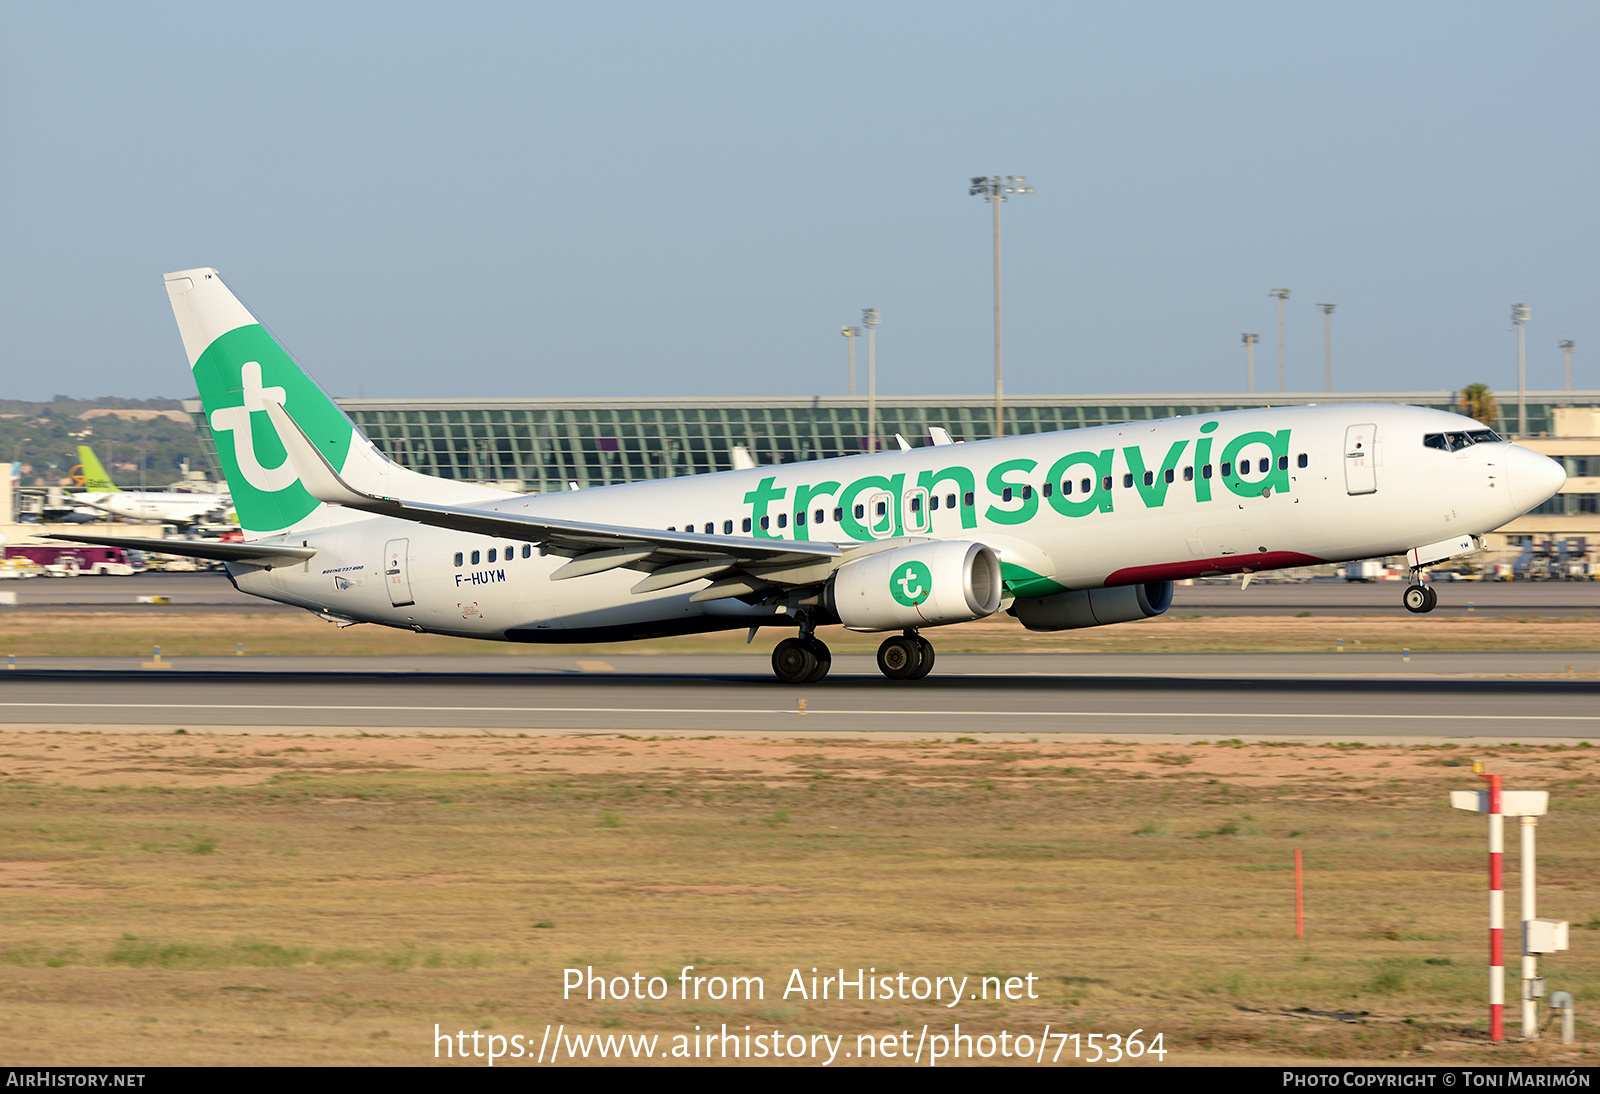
(1477, 402)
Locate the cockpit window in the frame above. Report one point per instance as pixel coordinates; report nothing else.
(1455, 442)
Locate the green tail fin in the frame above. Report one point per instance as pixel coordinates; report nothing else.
(95, 477)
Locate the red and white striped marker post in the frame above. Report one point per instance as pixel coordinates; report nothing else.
(1497, 909)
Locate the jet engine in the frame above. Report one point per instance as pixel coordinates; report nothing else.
(923, 585)
(1093, 607)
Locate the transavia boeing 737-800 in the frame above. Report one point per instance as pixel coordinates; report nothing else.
(1061, 530)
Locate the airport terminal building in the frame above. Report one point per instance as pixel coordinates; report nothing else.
(540, 445)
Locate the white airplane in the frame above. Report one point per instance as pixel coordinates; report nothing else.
(166, 506)
(1071, 529)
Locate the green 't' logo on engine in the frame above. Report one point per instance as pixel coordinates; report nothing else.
(911, 584)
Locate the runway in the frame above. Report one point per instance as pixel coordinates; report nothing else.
(1438, 697)
(212, 592)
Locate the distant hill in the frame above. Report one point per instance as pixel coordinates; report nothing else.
(124, 433)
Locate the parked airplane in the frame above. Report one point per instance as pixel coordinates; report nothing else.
(1070, 529)
(167, 506)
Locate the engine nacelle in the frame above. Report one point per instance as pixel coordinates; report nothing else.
(1093, 607)
(919, 586)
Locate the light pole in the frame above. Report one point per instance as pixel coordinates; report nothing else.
(851, 333)
(1520, 314)
(1566, 345)
(1250, 341)
(869, 319)
(1327, 344)
(1282, 295)
(995, 189)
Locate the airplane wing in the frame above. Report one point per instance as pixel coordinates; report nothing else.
(260, 554)
(668, 559)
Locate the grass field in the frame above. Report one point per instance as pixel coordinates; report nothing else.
(105, 634)
(188, 899)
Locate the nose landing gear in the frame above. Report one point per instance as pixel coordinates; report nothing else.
(907, 656)
(1420, 599)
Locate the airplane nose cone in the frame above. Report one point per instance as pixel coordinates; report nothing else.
(1534, 478)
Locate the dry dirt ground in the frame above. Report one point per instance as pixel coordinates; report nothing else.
(41, 634)
(179, 899)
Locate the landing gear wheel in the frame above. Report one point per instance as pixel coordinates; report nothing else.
(900, 657)
(793, 662)
(925, 666)
(1419, 599)
(824, 659)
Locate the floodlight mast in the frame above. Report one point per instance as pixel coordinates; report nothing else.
(1520, 314)
(1566, 345)
(869, 319)
(852, 333)
(1282, 295)
(995, 189)
(1250, 341)
(1327, 345)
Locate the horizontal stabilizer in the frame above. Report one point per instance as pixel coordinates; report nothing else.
(262, 554)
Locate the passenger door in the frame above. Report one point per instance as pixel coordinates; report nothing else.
(394, 572)
(1360, 473)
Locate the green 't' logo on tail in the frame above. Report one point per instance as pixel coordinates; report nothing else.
(238, 375)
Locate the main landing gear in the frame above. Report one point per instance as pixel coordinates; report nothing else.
(1419, 599)
(907, 656)
(802, 660)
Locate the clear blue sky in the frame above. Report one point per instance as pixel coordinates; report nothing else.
(692, 198)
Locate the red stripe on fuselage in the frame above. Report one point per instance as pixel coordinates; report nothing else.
(1211, 567)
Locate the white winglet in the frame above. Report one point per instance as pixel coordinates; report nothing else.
(316, 474)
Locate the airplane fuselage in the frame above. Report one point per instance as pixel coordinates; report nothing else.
(1232, 492)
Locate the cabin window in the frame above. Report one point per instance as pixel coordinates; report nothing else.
(966, 499)
(475, 557)
(458, 558)
(527, 550)
(916, 505)
(1127, 482)
(1265, 465)
(950, 501)
(1087, 485)
(491, 554)
(882, 508)
(861, 510)
(800, 519)
(1188, 474)
(1005, 495)
(1105, 483)
(1046, 489)
(1066, 487)
(1283, 463)
(727, 527)
(746, 524)
(933, 503)
(1027, 493)
(1303, 460)
(816, 518)
(672, 527)
(1168, 474)
(766, 522)
(1149, 478)
(1227, 469)
(838, 514)
(783, 520)
(1205, 472)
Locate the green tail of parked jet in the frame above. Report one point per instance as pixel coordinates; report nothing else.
(1071, 529)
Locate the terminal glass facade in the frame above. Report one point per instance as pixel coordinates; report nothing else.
(547, 444)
